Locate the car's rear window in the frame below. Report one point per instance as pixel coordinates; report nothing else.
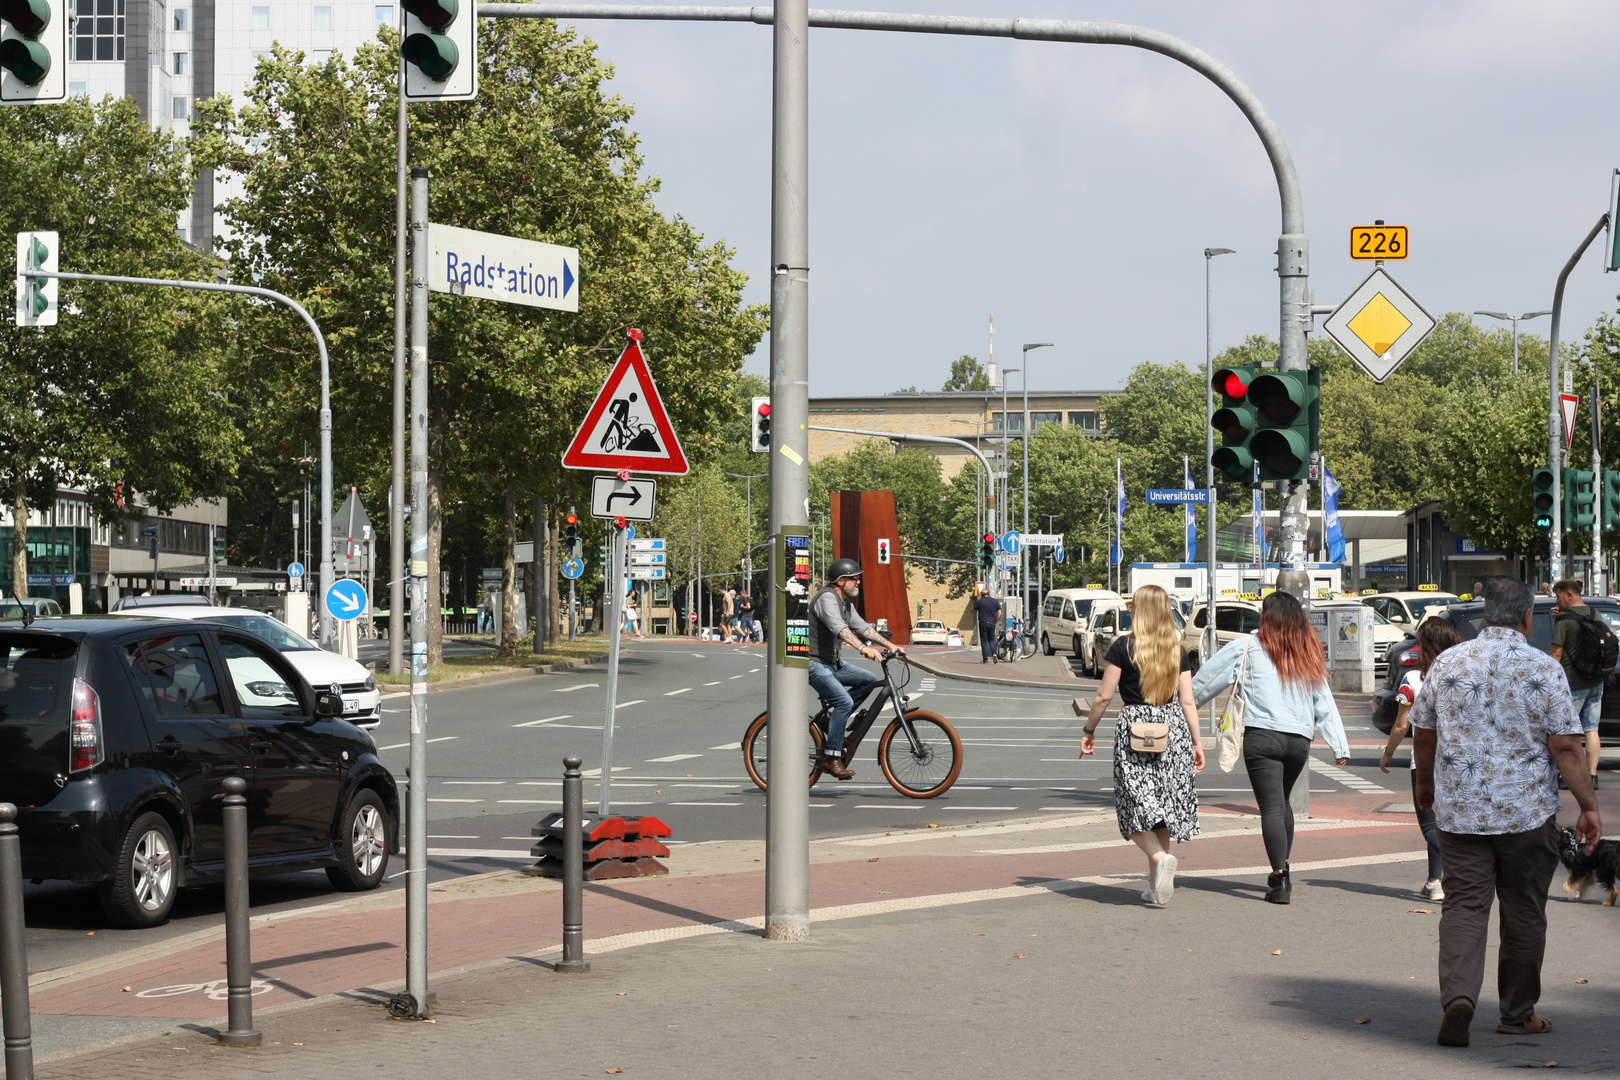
(278, 634)
(36, 678)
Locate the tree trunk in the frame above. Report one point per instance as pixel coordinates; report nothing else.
(19, 538)
(536, 584)
(557, 623)
(435, 520)
(509, 576)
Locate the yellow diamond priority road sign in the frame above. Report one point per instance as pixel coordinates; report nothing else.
(1379, 325)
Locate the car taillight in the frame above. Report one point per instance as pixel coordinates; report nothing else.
(85, 734)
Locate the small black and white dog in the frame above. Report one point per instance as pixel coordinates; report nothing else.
(1584, 869)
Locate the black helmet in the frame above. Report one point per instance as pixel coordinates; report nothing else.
(842, 568)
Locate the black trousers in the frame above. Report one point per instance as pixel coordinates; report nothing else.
(1274, 760)
(987, 640)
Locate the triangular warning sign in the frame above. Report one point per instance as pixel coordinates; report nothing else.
(626, 427)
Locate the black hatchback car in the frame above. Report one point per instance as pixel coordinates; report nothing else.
(1468, 619)
(115, 737)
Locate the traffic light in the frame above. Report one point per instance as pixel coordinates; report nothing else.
(36, 296)
(219, 548)
(987, 552)
(761, 415)
(1579, 500)
(1542, 498)
(33, 52)
(440, 50)
(1611, 500)
(571, 533)
(1235, 421)
(1288, 411)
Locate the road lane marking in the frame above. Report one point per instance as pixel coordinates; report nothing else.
(495, 782)
(705, 804)
(456, 800)
(1215, 834)
(402, 745)
(984, 807)
(753, 670)
(616, 768)
(715, 683)
(627, 704)
(670, 758)
(728, 746)
(528, 802)
(449, 836)
(479, 853)
(682, 690)
(738, 676)
(571, 689)
(547, 720)
(1348, 779)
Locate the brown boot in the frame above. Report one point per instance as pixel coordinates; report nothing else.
(834, 768)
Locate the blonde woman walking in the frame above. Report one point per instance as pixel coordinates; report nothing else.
(1157, 752)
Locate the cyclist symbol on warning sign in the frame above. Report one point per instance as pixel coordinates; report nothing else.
(626, 432)
(626, 427)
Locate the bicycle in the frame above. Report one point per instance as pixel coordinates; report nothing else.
(1013, 644)
(919, 752)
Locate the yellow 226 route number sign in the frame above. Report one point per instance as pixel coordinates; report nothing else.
(1378, 242)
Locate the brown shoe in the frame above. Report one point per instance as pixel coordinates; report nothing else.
(834, 768)
(1454, 1026)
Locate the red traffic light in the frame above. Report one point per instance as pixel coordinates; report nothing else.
(989, 538)
(1235, 386)
(571, 519)
(764, 408)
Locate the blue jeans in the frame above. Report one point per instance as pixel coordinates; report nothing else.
(833, 686)
(1588, 706)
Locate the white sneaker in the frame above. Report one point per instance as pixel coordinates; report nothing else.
(1164, 879)
(1148, 897)
(1432, 891)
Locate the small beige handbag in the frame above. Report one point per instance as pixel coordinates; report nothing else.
(1149, 738)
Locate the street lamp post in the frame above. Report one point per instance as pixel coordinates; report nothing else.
(1209, 462)
(1515, 320)
(1023, 551)
(1006, 459)
(748, 533)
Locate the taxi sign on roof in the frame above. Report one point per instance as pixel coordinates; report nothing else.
(1379, 325)
(626, 426)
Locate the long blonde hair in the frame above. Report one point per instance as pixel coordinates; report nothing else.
(1157, 644)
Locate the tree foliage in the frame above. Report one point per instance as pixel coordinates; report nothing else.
(967, 374)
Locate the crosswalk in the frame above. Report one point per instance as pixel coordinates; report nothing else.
(1347, 778)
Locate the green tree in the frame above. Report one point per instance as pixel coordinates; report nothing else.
(1160, 412)
(920, 494)
(129, 388)
(703, 521)
(967, 374)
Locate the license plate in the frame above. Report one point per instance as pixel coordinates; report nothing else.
(351, 705)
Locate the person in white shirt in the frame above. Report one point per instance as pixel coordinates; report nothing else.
(1434, 636)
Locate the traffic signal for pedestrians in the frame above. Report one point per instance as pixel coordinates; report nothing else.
(1235, 421)
(987, 551)
(440, 50)
(219, 549)
(36, 296)
(571, 533)
(1580, 500)
(33, 52)
(1542, 499)
(1288, 412)
(1611, 500)
(761, 414)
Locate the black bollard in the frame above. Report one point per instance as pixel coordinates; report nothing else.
(14, 951)
(573, 826)
(238, 946)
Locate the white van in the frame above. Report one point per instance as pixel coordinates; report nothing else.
(1067, 616)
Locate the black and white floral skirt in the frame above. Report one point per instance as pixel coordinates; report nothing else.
(1155, 790)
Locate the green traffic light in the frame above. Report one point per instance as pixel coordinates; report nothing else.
(1235, 461)
(1281, 395)
(436, 55)
(1282, 451)
(436, 15)
(29, 61)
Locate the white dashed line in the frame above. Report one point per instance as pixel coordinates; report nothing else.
(547, 720)
(715, 683)
(728, 746)
(571, 689)
(682, 690)
(737, 676)
(672, 757)
(1348, 779)
(754, 670)
(476, 783)
(403, 745)
(705, 804)
(638, 701)
(456, 800)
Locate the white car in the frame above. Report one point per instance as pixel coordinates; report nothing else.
(929, 632)
(362, 701)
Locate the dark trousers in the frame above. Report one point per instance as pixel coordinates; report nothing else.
(1431, 832)
(987, 640)
(1516, 869)
(1274, 760)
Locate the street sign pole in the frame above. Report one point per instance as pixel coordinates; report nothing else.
(396, 507)
(613, 589)
(787, 802)
(416, 883)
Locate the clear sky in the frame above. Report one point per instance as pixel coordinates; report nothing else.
(1071, 189)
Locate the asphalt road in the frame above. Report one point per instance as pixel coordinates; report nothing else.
(495, 756)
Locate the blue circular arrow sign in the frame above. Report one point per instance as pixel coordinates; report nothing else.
(573, 568)
(345, 599)
(1012, 542)
(1057, 554)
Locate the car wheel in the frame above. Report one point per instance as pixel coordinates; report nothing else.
(362, 844)
(142, 890)
(1046, 646)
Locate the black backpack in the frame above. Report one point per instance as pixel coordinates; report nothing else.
(1595, 651)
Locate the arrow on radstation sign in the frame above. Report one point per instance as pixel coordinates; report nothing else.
(1379, 325)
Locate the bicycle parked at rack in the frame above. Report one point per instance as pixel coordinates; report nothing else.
(919, 752)
(1013, 644)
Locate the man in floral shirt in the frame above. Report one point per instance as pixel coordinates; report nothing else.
(1493, 717)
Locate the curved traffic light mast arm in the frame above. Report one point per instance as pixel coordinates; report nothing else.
(899, 437)
(327, 636)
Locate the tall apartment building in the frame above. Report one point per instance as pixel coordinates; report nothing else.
(169, 54)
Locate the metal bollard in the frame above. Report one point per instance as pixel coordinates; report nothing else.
(573, 960)
(238, 946)
(14, 952)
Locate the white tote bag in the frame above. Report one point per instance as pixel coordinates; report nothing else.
(1229, 729)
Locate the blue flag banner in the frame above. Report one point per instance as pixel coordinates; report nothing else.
(1117, 555)
(1192, 515)
(1330, 517)
(1259, 520)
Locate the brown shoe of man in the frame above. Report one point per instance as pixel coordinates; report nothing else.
(834, 768)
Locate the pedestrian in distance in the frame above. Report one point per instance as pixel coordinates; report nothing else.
(1434, 636)
(1157, 750)
(1493, 726)
(1579, 639)
(1286, 700)
(745, 616)
(728, 616)
(988, 610)
(632, 612)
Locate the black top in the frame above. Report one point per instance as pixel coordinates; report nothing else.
(1130, 680)
(989, 608)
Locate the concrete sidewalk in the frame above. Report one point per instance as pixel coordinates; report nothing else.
(969, 950)
(1036, 671)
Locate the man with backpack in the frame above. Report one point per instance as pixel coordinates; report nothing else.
(1588, 649)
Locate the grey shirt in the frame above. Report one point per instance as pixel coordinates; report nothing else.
(824, 608)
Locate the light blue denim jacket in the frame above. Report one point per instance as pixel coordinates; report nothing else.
(1268, 701)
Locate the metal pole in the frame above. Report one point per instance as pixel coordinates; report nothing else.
(1023, 548)
(1515, 345)
(573, 960)
(613, 598)
(787, 803)
(1555, 446)
(416, 1000)
(238, 945)
(1597, 586)
(19, 1032)
(396, 509)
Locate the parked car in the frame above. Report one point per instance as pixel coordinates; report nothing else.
(1107, 628)
(1233, 619)
(116, 734)
(1066, 616)
(362, 701)
(1468, 618)
(929, 632)
(164, 600)
(1407, 609)
(13, 607)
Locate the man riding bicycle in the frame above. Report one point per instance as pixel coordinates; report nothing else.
(834, 621)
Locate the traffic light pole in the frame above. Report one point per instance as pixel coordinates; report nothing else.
(1555, 444)
(328, 638)
(396, 502)
(417, 999)
(1598, 586)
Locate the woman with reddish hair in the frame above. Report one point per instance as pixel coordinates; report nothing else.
(1286, 701)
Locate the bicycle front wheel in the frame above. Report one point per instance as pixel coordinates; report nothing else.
(1029, 648)
(756, 751)
(932, 766)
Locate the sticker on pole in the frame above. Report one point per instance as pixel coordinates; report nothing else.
(627, 427)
